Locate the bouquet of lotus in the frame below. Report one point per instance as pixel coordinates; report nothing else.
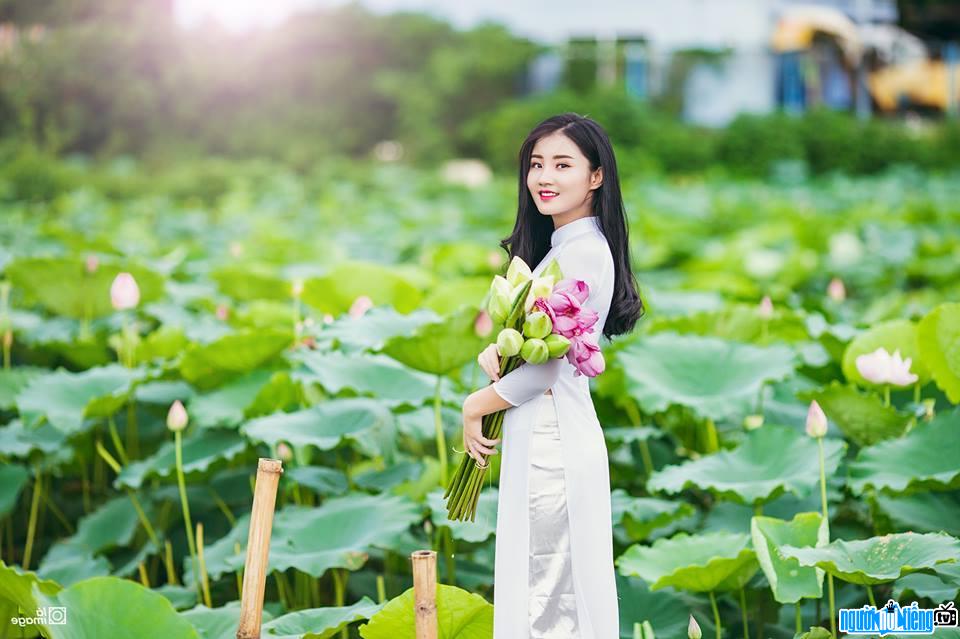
(541, 318)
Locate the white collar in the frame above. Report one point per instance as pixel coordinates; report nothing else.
(574, 228)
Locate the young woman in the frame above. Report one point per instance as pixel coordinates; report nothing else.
(554, 572)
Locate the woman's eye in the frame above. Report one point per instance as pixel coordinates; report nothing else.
(562, 164)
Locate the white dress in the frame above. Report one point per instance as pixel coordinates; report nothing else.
(537, 603)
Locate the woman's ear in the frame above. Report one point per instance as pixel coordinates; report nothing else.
(596, 179)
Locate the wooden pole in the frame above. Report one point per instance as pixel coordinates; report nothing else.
(258, 547)
(425, 593)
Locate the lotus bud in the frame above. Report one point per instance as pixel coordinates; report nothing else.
(124, 292)
(753, 422)
(693, 629)
(816, 420)
(542, 287)
(177, 416)
(501, 297)
(836, 290)
(360, 306)
(535, 351)
(92, 263)
(284, 452)
(509, 342)
(327, 318)
(537, 325)
(222, 312)
(482, 324)
(766, 307)
(494, 259)
(553, 271)
(518, 272)
(557, 344)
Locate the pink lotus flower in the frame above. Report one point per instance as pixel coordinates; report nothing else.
(836, 290)
(124, 292)
(880, 367)
(816, 420)
(576, 288)
(482, 324)
(360, 306)
(177, 416)
(223, 312)
(766, 307)
(92, 263)
(542, 305)
(585, 356)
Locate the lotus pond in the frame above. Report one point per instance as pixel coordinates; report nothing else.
(333, 322)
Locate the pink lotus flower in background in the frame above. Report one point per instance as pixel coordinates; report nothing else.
(92, 263)
(836, 290)
(124, 292)
(880, 367)
(327, 318)
(816, 425)
(222, 312)
(766, 307)
(360, 306)
(483, 324)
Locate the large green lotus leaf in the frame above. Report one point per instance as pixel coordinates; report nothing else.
(668, 611)
(440, 347)
(322, 480)
(264, 314)
(369, 374)
(13, 380)
(938, 336)
(16, 440)
(65, 398)
(789, 582)
(878, 560)
(318, 623)
(460, 615)
(164, 392)
(928, 457)
(336, 291)
(224, 406)
(217, 623)
(250, 281)
(201, 450)
(132, 611)
(64, 287)
(112, 524)
(371, 330)
(449, 295)
(861, 417)
(714, 377)
(642, 515)
(12, 480)
(337, 534)
(236, 353)
(17, 588)
(281, 392)
(771, 460)
(700, 563)
(475, 531)
(165, 343)
(365, 421)
(740, 323)
(464, 257)
(918, 584)
(198, 327)
(899, 334)
(68, 563)
(923, 512)
(376, 475)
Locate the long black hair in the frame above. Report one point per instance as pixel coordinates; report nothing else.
(530, 239)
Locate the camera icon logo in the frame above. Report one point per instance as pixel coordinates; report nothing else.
(53, 615)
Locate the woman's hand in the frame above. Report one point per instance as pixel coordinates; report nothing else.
(474, 443)
(489, 360)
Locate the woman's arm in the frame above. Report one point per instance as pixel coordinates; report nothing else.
(483, 402)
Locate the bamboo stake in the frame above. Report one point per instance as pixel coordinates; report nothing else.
(258, 547)
(425, 593)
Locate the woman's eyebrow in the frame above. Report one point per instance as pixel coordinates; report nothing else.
(537, 155)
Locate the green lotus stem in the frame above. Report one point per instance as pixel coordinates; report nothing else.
(743, 613)
(185, 505)
(441, 438)
(168, 563)
(448, 546)
(634, 413)
(716, 614)
(107, 457)
(84, 483)
(222, 505)
(144, 579)
(239, 573)
(870, 596)
(340, 589)
(758, 508)
(282, 589)
(32, 522)
(116, 440)
(10, 549)
(826, 518)
(49, 503)
(381, 590)
(799, 624)
(886, 394)
(204, 580)
(132, 433)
